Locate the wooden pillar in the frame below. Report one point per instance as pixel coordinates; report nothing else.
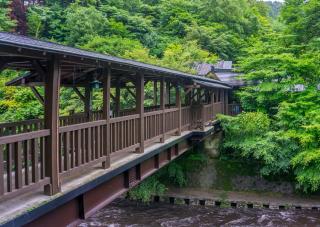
(51, 122)
(106, 116)
(88, 102)
(155, 93)
(178, 104)
(140, 110)
(117, 99)
(163, 108)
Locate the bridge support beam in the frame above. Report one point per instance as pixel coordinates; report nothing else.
(51, 121)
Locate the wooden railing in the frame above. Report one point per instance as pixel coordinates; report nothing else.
(82, 144)
(124, 133)
(22, 162)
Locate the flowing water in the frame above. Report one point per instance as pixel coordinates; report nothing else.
(127, 213)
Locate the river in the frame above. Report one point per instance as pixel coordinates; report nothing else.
(128, 213)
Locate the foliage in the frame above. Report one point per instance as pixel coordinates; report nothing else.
(173, 174)
(147, 189)
(284, 133)
(5, 23)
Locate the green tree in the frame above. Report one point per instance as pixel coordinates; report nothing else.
(6, 24)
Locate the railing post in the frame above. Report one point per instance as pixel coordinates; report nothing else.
(163, 107)
(51, 121)
(106, 116)
(140, 110)
(178, 104)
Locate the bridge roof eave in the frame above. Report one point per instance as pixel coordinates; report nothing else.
(17, 48)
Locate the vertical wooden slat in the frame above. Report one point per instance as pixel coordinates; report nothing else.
(78, 147)
(66, 146)
(35, 159)
(42, 156)
(89, 141)
(9, 167)
(60, 151)
(72, 153)
(18, 165)
(26, 162)
(83, 146)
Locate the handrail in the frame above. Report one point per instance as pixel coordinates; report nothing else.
(90, 124)
(24, 136)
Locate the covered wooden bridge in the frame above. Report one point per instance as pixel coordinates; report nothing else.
(42, 154)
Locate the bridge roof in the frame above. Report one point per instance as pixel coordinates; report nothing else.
(20, 52)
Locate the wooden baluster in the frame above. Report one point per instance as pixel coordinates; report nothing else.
(9, 167)
(78, 147)
(35, 161)
(94, 140)
(18, 165)
(42, 156)
(72, 149)
(89, 141)
(61, 152)
(83, 146)
(66, 148)
(26, 162)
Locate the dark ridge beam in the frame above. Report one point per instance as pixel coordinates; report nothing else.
(37, 95)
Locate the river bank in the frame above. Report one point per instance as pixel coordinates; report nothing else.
(124, 212)
(211, 197)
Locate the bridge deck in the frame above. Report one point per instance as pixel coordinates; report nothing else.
(120, 161)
